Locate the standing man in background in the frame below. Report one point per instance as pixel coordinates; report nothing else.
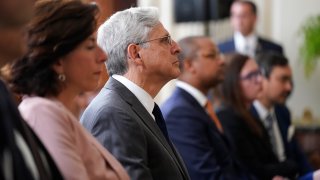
(142, 58)
(245, 40)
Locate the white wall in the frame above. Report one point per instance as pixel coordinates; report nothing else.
(288, 17)
(279, 20)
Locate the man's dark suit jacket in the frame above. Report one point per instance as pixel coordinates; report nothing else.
(252, 150)
(203, 149)
(264, 45)
(292, 150)
(123, 126)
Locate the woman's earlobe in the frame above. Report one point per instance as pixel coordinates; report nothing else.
(58, 67)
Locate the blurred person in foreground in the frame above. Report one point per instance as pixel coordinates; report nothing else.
(245, 40)
(249, 140)
(22, 155)
(191, 121)
(142, 58)
(271, 110)
(63, 60)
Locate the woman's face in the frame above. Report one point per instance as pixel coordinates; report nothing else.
(83, 66)
(250, 80)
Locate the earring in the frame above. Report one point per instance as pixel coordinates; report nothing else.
(62, 77)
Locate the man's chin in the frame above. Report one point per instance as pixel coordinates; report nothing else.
(281, 101)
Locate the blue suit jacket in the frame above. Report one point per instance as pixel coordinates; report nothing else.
(204, 150)
(292, 149)
(263, 46)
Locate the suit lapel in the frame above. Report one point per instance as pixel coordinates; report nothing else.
(259, 47)
(265, 134)
(195, 104)
(233, 45)
(283, 129)
(146, 119)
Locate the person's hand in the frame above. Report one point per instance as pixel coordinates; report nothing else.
(278, 178)
(316, 174)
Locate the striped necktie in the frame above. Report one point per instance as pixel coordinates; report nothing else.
(269, 127)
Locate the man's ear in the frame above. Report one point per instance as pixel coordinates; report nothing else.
(188, 65)
(133, 51)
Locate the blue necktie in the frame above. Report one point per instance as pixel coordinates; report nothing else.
(160, 121)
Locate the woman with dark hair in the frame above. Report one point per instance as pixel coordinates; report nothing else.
(248, 138)
(62, 61)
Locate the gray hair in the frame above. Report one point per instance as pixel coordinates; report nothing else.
(132, 25)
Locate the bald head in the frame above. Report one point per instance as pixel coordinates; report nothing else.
(201, 65)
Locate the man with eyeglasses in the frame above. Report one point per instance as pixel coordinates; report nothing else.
(142, 58)
(270, 109)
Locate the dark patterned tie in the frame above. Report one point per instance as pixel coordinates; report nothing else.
(269, 127)
(160, 121)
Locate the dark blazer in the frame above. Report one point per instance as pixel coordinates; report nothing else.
(203, 149)
(122, 125)
(292, 149)
(252, 150)
(11, 124)
(264, 45)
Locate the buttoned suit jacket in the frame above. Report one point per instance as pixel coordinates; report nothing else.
(291, 147)
(203, 148)
(263, 45)
(122, 125)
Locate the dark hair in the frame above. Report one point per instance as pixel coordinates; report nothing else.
(268, 60)
(232, 93)
(56, 29)
(250, 3)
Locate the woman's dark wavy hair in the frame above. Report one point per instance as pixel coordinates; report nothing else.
(232, 93)
(57, 28)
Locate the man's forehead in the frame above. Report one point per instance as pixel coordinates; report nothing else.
(158, 29)
(280, 70)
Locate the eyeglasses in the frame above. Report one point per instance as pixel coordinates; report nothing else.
(252, 76)
(166, 38)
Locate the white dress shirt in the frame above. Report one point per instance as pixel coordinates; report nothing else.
(263, 113)
(194, 92)
(144, 97)
(246, 45)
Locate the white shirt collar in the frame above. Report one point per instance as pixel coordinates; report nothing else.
(198, 95)
(145, 98)
(240, 43)
(262, 111)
